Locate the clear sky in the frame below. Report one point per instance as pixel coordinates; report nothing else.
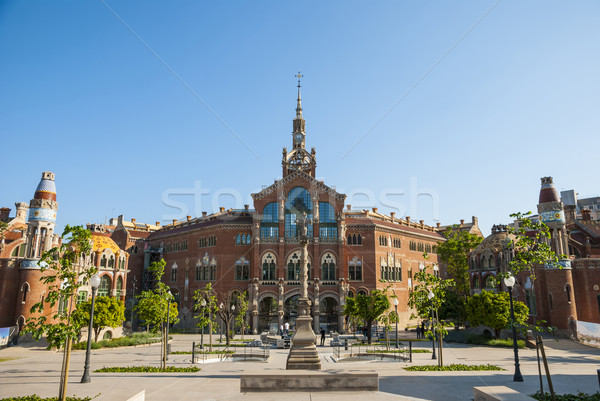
(133, 104)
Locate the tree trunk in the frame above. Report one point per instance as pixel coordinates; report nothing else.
(96, 334)
(369, 333)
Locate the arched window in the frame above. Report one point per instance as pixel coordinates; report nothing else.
(248, 239)
(568, 291)
(25, 289)
(269, 226)
(103, 261)
(298, 202)
(119, 287)
(359, 238)
(294, 268)
(476, 284)
(327, 221)
(328, 266)
(105, 284)
(489, 282)
(483, 262)
(362, 292)
(550, 303)
(492, 263)
(268, 267)
(174, 272)
(242, 269)
(238, 241)
(111, 261)
(355, 269)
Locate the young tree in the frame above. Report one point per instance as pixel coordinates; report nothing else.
(226, 312)
(242, 309)
(426, 298)
(493, 310)
(454, 307)
(63, 278)
(205, 306)
(108, 312)
(368, 307)
(152, 304)
(454, 253)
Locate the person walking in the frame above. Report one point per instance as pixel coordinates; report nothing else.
(418, 332)
(281, 333)
(287, 328)
(322, 336)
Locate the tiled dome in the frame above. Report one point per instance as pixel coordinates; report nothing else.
(46, 189)
(548, 192)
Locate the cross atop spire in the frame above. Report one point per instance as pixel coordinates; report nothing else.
(299, 76)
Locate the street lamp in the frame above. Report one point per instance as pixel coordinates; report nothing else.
(430, 297)
(203, 303)
(509, 282)
(94, 283)
(232, 313)
(169, 295)
(133, 303)
(221, 325)
(396, 308)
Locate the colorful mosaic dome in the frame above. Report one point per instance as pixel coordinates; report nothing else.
(548, 192)
(102, 242)
(46, 189)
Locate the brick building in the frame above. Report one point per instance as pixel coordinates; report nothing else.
(256, 250)
(27, 236)
(560, 296)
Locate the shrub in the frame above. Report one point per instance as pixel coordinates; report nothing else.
(38, 398)
(567, 397)
(134, 339)
(150, 369)
(452, 367)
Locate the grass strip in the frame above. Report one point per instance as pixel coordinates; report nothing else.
(566, 397)
(148, 369)
(35, 397)
(452, 367)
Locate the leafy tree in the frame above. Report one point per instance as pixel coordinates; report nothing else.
(62, 278)
(242, 309)
(206, 311)
(108, 312)
(531, 245)
(454, 252)
(493, 310)
(454, 307)
(368, 307)
(152, 304)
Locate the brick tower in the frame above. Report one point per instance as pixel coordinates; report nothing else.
(40, 238)
(555, 285)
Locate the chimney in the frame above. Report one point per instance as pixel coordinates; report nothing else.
(133, 221)
(203, 214)
(421, 223)
(438, 224)
(246, 207)
(374, 210)
(221, 209)
(188, 219)
(349, 207)
(157, 223)
(586, 214)
(408, 220)
(174, 221)
(462, 222)
(392, 215)
(4, 212)
(475, 221)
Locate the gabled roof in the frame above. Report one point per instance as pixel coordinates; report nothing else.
(304, 176)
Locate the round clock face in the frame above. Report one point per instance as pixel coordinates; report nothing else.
(298, 137)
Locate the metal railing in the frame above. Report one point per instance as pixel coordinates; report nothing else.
(371, 351)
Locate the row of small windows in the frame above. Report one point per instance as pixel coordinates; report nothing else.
(487, 262)
(110, 262)
(389, 241)
(205, 242)
(390, 273)
(206, 273)
(243, 239)
(422, 247)
(176, 246)
(354, 239)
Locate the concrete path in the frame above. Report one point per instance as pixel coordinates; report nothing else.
(36, 371)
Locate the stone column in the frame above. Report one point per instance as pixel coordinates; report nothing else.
(303, 353)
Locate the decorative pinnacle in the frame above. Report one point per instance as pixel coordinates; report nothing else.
(299, 104)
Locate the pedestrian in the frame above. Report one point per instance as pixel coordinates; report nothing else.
(287, 328)
(418, 332)
(422, 329)
(281, 330)
(322, 336)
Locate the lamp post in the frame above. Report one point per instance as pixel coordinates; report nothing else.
(430, 296)
(232, 314)
(221, 326)
(396, 308)
(203, 303)
(509, 282)
(94, 283)
(133, 303)
(167, 328)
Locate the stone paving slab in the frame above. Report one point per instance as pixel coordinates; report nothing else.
(573, 367)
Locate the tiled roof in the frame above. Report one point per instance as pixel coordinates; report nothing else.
(102, 242)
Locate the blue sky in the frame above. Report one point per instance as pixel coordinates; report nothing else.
(131, 103)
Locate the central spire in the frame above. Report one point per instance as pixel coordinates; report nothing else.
(299, 104)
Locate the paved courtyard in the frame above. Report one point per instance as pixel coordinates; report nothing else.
(36, 371)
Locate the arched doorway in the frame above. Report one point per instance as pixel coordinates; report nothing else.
(328, 314)
(267, 315)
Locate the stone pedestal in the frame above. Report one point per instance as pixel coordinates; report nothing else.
(303, 354)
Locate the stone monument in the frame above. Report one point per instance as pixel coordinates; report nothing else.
(303, 353)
